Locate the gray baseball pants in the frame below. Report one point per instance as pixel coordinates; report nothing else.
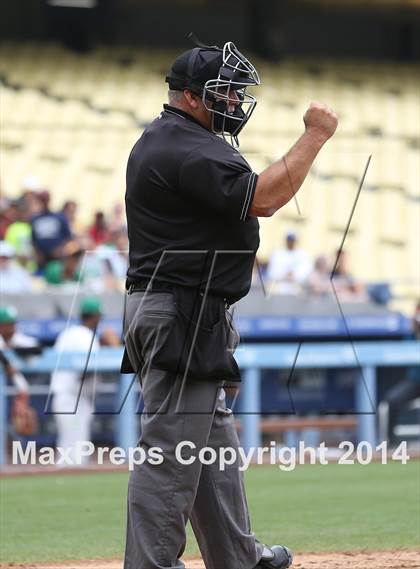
(163, 497)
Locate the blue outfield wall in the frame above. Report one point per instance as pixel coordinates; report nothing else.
(266, 327)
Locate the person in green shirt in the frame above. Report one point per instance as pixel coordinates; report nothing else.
(66, 269)
(19, 236)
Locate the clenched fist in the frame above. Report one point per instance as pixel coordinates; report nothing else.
(320, 120)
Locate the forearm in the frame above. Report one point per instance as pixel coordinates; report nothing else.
(278, 183)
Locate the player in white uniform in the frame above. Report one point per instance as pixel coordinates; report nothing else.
(72, 401)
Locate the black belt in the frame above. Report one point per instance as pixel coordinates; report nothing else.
(141, 285)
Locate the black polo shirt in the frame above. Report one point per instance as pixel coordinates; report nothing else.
(187, 202)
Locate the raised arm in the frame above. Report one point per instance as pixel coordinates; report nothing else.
(278, 183)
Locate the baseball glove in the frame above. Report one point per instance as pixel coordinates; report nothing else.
(24, 417)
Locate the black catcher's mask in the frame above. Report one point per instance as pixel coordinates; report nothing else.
(220, 77)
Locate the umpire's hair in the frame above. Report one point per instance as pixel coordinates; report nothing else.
(175, 96)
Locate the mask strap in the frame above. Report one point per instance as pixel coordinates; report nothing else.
(198, 43)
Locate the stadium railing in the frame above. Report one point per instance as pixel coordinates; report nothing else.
(364, 356)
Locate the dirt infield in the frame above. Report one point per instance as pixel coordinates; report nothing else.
(359, 560)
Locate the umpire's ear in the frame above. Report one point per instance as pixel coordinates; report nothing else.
(193, 100)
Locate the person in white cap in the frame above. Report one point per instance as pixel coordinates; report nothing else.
(14, 279)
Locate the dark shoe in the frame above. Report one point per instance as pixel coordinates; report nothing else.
(275, 557)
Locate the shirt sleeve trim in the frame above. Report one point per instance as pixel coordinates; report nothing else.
(252, 183)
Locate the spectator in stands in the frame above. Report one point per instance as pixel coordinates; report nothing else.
(288, 268)
(69, 211)
(344, 283)
(81, 264)
(118, 220)
(10, 337)
(99, 231)
(73, 396)
(318, 281)
(19, 234)
(50, 231)
(401, 394)
(14, 279)
(34, 204)
(114, 254)
(31, 187)
(68, 267)
(97, 274)
(6, 216)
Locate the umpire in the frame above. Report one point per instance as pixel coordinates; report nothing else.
(192, 204)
